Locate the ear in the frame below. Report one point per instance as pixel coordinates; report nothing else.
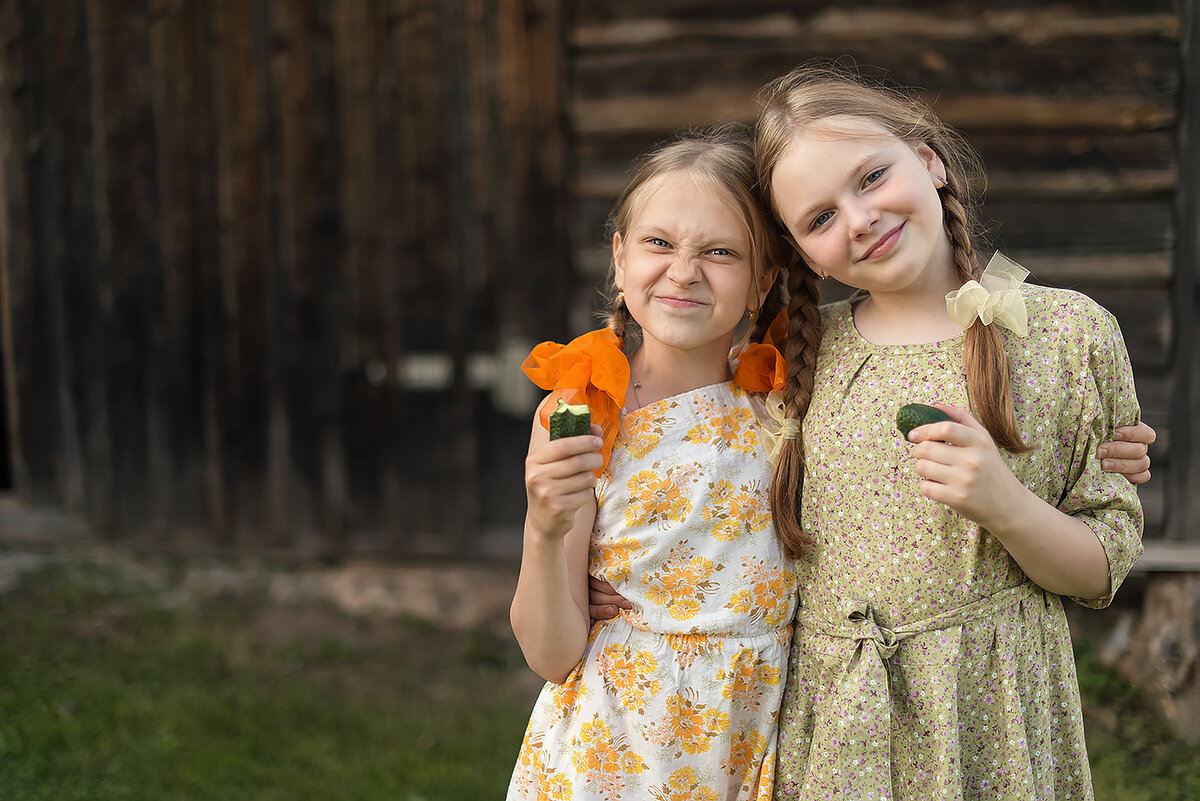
(618, 261)
(933, 163)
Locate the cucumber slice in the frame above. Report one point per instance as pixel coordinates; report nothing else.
(570, 421)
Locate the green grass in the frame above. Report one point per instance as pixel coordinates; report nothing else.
(113, 688)
(107, 694)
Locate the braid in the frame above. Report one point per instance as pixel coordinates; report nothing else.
(618, 319)
(772, 304)
(800, 351)
(987, 364)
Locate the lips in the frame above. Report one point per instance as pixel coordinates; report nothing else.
(679, 303)
(884, 244)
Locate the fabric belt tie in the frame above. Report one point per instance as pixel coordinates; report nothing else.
(861, 734)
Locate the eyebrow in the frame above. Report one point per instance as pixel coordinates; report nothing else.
(857, 169)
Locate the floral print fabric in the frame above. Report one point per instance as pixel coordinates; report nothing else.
(925, 665)
(678, 697)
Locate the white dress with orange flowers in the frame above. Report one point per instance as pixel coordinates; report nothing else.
(678, 697)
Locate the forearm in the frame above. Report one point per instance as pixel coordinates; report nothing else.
(550, 623)
(1057, 551)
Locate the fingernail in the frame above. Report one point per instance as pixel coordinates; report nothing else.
(597, 442)
(1118, 435)
(1103, 452)
(1107, 464)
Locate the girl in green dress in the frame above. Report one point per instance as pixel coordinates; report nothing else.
(931, 657)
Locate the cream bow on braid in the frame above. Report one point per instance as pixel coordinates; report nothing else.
(996, 296)
(785, 427)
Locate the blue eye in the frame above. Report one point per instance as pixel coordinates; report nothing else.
(722, 252)
(659, 243)
(874, 176)
(821, 219)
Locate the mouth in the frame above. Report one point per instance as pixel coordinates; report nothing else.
(679, 303)
(883, 245)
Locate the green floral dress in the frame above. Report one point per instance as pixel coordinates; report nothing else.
(925, 664)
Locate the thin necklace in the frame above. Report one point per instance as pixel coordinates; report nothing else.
(635, 386)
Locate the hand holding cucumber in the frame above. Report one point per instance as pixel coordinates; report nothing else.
(961, 466)
(558, 470)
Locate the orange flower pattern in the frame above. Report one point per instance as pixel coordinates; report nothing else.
(725, 428)
(737, 511)
(676, 699)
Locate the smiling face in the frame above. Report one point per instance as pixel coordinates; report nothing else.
(862, 206)
(684, 264)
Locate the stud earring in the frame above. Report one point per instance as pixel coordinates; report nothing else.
(621, 297)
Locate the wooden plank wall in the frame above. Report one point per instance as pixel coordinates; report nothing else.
(1074, 107)
(227, 226)
(267, 267)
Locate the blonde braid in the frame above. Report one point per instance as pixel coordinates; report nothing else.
(988, 386)
(618, 320)
(800, 350)
(772, 304)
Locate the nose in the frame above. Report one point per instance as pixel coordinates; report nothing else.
(860, 216)
(684, 269)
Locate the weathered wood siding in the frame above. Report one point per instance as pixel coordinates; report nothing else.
(1074, 106)
(252, 247)
(268, 267)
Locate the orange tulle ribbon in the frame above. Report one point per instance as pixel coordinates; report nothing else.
(760, 366)
(589, 369)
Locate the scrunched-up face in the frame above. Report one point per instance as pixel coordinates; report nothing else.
(685, 265)
(862, 206)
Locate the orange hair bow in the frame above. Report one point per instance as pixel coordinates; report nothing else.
(761, 367)
(590, 369)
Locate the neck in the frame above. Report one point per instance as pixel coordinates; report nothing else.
(911, 315)
(658, 372)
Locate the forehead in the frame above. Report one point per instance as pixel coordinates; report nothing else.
(685, 194)
(846, 130)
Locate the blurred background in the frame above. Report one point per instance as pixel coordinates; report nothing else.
(268, 268)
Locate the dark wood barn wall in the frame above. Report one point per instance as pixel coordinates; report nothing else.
(269, 266)
(1075, 108)
(251, 249)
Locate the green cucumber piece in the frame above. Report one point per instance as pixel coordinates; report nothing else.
(570, 421)
(912, 415)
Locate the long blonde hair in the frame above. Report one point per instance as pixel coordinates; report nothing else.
(722, 157)
(808, 94)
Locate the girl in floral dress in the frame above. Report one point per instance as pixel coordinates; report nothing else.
(931, 657)
(677, 697)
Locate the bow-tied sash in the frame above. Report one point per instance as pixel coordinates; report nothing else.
(860, 729)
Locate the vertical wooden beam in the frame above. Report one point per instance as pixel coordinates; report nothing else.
(128, 256)
(235, 373)
(1183, 508)
(309, 238)
(16, 245)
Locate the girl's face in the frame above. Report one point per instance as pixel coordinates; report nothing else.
(684, 265)
(862, 206)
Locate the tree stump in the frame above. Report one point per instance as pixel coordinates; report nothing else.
(1160, 656)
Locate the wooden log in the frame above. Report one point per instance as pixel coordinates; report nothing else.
(1082, 225)
(1090, 270)
(950, 17)
(661, 115)
(1162, 657)
(1080, 67)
